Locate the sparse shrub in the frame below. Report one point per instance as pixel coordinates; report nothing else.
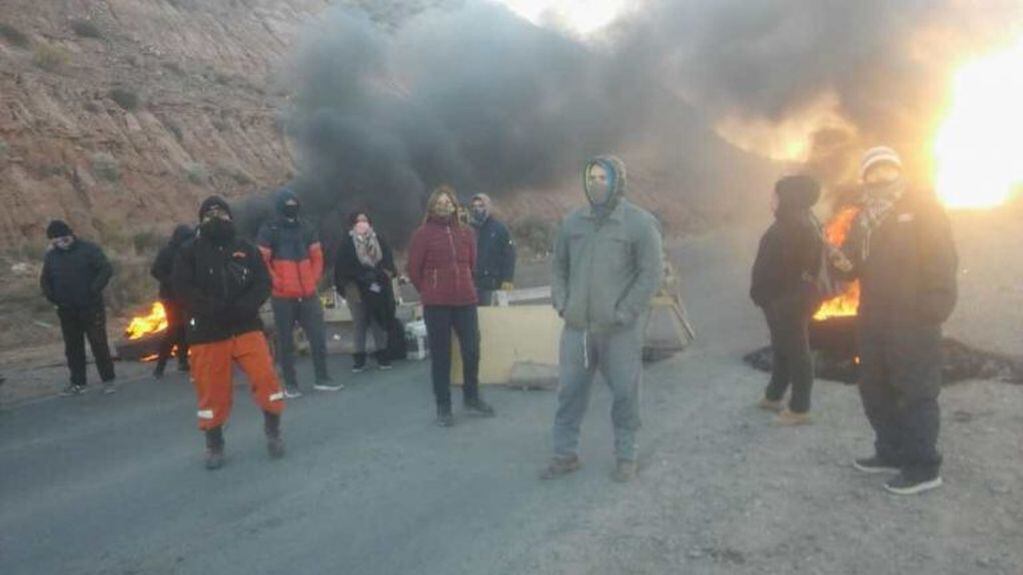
(534, 235)
(125, 98)
(86, 29)
(241, 177)
(175, 129)
(145, 241)
(3, 148)
(106, 166)
(13, 36)
(91, 107)
(50, 57)
(196, 173)
(173, 67)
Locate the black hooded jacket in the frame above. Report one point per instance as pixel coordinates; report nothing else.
(163, 266)
(790, 250)
(75, 278)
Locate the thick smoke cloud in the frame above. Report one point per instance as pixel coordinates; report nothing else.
(469, 94)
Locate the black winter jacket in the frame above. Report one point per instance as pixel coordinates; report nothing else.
(349, 270)
(222, 286)
(908, 277)
(788, 259)
(495, 255)
(75, 278)
(163, 266)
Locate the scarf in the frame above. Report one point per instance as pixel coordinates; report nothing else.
(367, 248)
(877, 205)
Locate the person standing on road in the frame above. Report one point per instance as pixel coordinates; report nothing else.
(294, 257)
(901, 249)
(783, 286)
(495, 251)
(441, 263)
(75, 273)
(223, 282)
(163, 271)
(607, 266)
(362, 275)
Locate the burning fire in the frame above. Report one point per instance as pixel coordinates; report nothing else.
(977, 146)
(848, 302)
(142, 326)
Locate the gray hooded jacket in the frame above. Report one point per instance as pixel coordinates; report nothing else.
(606, 267)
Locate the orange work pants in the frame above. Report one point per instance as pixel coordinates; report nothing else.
(212, 364)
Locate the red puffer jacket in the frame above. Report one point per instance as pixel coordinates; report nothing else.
(441, 263)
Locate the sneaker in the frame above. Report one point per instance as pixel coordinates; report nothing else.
(109, 387)
(72, 389)
(360, 363)
(444, 419)
(479, 407)
(903, 484)
(292, 392)
(384, 364)
(875, 465)
(768, 405)
(792, 418)
(328, 385)
(625, 471)
(560, 467)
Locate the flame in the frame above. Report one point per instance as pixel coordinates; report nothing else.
(848, 303)
(977, 146)
(142, 326)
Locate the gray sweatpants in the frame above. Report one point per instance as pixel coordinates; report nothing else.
(308, 313)
(618, 357)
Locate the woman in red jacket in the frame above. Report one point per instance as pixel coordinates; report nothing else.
(441, 263)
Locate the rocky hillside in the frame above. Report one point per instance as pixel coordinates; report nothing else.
(118, 115)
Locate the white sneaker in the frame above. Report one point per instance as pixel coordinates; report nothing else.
(292, 392)
(328, 386)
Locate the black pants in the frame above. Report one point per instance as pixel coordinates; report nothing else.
(77, 325)
(900, 379)
(788, 319)
(174, 336)
(440, 320)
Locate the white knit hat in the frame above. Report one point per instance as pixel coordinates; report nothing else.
(876, 156)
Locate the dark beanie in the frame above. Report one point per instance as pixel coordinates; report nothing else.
(797, 192)
(213, 201)
(57, 229)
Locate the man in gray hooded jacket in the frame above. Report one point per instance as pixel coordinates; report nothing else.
(607, 267)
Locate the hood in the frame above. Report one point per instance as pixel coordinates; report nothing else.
(615, 168)
(796, 194)
(487, 202)
(58, 229)
(182, 233)
(214, 201)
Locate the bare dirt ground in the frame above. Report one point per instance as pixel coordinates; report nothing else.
(114, 484)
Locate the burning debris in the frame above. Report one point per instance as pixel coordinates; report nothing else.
(142, 337)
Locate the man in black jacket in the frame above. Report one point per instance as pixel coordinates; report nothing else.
(787, 263)
(223, 282)
(495, 251)
(902, 251)
(75, 272)
(162, 270)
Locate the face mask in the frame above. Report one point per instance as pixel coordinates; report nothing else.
(479, 215)
(217, 230)
(290, 211)
(362, 228)
(599, 193)
(63, 243)
(885, 191)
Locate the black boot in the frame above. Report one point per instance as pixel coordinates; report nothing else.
(444, 417)
(214, 448)
(161, 364)
(272, 426)
(478, 406)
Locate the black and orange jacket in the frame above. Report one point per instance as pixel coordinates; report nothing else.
(293, 254)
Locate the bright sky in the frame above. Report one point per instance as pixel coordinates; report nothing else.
(584, 16)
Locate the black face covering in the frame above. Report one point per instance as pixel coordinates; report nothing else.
(290, 211)
(217, 230)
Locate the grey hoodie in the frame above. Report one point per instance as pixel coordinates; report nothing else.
(606, 269)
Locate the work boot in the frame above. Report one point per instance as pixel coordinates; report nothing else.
(768, 405)
(214, 448)
(560, 466)
(360, 363)
(478, 407)
(272, 426)
(625, 471)
(791, 418)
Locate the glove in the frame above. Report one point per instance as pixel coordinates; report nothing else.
(507, 286)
